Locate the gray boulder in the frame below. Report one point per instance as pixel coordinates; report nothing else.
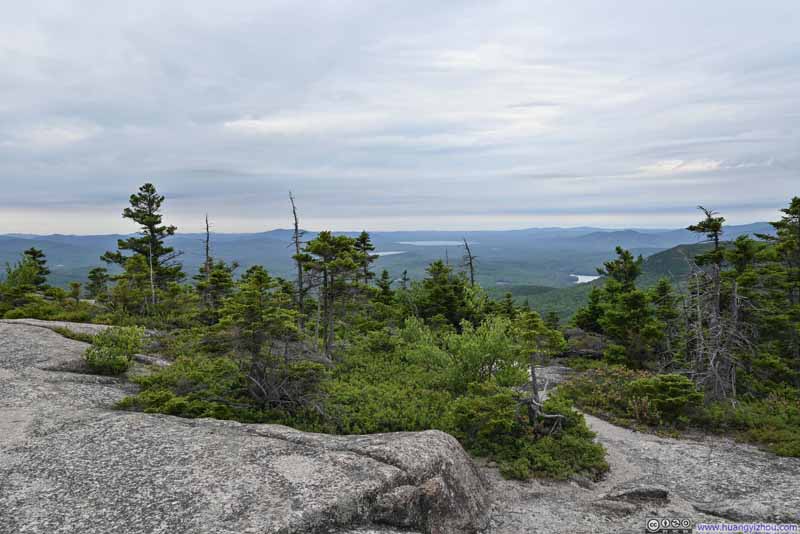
(70, 464)
(583, 344)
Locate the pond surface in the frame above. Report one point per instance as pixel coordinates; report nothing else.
(436, 243)
(585, 278)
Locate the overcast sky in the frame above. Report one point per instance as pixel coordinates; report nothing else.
(398, 115)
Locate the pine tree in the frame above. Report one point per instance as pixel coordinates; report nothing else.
(552, 320)
(716, 332)
(363, 244)
(386, 294)
(623, 312)
(333, 265)
(506, 306)
(624, 270)
(711, 226)
(781, 315)
(97, 288)
(214, 283)
(145, 210)
(259, 312)
(668, 314)
(40, 260)
(19, 282)
(444, 295)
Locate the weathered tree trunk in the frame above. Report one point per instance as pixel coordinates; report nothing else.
(207, 263)
(469, 260)
(297, 236)
(534, 407)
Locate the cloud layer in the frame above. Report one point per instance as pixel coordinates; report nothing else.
(391, 115)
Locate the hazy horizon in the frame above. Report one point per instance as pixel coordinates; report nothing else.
(402, 230)
(459, 115)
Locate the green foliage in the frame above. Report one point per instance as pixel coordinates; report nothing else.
(490, 350)
(77, 336)
(214, 284)
(773, 422)
(488, 422)
(630, 397)
(97, 288)
(336, 263)
(259, 312)
(711, 226)
(626, 314)
(112, 349)
(198, 386)
(670, 397)
(37, 258)
(442, 296)
(154, 256)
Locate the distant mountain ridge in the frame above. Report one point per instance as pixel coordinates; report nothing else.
(533, 256)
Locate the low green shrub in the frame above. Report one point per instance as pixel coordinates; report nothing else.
(72, 334)
(666, 402)
(668, 397)
(112, 350)
(773, 421)
(37, 307)
(602, 390)
(488, 422)
(407, 379)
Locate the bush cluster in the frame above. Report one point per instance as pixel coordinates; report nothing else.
(670, 401)
(396, 379)
(112, 350)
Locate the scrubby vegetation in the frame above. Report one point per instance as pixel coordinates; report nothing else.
(670, 402)
(77, 336)
(722, 356)
(112, 350)
(341, 350)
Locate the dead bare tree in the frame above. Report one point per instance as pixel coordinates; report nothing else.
(717, 334)
(535, 402)
(469, 262)
(207, 263)
(297, 241)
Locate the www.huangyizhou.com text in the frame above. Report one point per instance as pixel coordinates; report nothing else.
(748, 528)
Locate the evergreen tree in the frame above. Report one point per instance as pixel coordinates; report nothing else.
(668, 314)
(18, 283)
(333, 265)
(711, 226)
(39, 259)
(404, 280)
(552, 320)
(506, 306)
(622, 312)
(214, 283)
(444, 296)
(259, 312)
(97, 288)
(780, 305)
(623, 271)
(588, 317)
(716, 333)
(386, 294)
(363, 244)
(145, 210)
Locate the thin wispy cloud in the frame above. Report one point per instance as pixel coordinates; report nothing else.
(491, 114)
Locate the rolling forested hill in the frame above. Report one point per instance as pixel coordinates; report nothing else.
(673, 264)
(528, 263)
